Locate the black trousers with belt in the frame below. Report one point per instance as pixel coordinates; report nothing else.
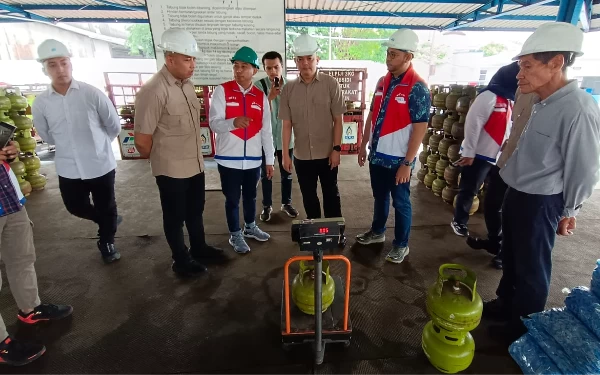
(182, 201)
(492, 207)
(529, 224)
(76, 197)
(311, 171)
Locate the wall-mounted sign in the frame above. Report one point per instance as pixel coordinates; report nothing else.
(206, 141)
(221, 27)
(349, 82)
(349, 133)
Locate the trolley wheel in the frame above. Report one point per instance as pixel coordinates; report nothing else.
(286, 346)
(347, 344)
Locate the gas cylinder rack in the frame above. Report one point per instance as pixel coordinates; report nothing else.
(121, 89)
(353, 83)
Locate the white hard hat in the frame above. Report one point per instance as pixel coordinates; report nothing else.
(554, 37)
(51, 48)
(179, 41)
(305, 45)
(403, 39)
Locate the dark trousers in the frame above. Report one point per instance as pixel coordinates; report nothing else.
(529, 224)
(236, 182)
(471, 178)
(76, 196)
(492, 206)
(267, 185)
(311, 171)
(182, 201)
(383, 183)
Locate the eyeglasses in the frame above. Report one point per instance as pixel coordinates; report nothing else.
(392, 55)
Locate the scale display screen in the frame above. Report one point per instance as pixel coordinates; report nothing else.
(317, 234)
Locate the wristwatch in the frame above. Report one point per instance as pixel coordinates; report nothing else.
(337, 148)
(407, 163)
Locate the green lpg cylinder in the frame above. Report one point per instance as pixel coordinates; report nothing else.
(303, 288)
(443, 355)
(453, 302)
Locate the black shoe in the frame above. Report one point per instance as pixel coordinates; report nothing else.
(497, 262)
(188, 268)
(289, 210)
(45, 312)
(265, 215)
(17, 353)
(459, 229)
(481, 244)
(209, 254)
(497, 309)
(109, 253)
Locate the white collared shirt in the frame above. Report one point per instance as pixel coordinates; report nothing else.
(82, 125)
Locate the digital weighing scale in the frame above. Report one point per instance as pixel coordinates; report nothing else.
(332, 326)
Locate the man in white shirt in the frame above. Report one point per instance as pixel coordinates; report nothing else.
(81, 122)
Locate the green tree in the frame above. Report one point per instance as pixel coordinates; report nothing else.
(139, 40)
(436, 55)
(361, 49)
(492, 49)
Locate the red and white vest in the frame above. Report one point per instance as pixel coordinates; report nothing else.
(241, 145)
(397, 124)
(495, 131)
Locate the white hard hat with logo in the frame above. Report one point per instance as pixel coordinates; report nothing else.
(554, 37)
(179, 41)
(305, 45)
(404, 40)
(51, 48)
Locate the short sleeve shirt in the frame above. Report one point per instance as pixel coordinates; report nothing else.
(168, 109)
(311, 107)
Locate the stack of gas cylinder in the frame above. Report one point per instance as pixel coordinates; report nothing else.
(455, 309)
(13, 108)
(441, 144)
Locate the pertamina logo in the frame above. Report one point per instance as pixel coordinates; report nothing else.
(400, 99)
(256, 106)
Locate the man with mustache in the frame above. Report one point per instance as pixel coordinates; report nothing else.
(241, 118)
(167, 130)
(82, 122)
(551, 173)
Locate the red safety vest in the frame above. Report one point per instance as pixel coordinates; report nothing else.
(250, 105)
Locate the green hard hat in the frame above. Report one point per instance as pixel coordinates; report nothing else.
(247, 55)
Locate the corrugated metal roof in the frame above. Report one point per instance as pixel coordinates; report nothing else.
(416, 14)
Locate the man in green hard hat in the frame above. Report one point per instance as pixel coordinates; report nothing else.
(241, 118)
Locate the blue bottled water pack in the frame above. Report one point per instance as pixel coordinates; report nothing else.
(550, 347)
(595, 284)
(580, 345)
(531, 358)
(586, 307)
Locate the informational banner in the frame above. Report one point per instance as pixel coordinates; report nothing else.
(221, 27)
(349, 80)
(349, 133)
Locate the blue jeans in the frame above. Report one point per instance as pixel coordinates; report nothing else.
(236, 182)
(383, 184)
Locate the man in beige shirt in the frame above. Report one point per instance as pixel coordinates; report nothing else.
(496, 187)
(167, 130)
(312, 106)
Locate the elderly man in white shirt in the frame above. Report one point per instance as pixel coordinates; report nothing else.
(81, 122)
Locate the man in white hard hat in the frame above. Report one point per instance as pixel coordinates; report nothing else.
(17, 251)
(81, 122)
(241, 119)
(551, 173)
(312, 106)
(394, 129)
(167, 130)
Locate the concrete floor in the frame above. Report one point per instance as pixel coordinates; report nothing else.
(136, 317)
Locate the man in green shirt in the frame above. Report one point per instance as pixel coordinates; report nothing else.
(271, 86)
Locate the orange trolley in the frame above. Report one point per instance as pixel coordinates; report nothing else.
(333, 325)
